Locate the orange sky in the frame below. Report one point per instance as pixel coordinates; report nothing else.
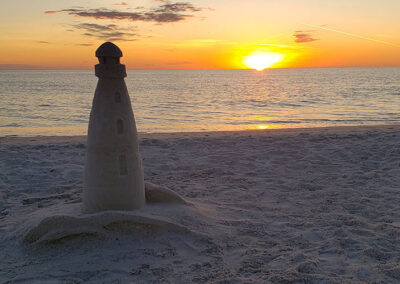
(200, 34)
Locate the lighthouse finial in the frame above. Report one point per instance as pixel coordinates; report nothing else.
(109, 65)
(108, 49)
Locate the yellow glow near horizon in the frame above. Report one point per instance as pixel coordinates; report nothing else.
(262, 60)
(265, 126)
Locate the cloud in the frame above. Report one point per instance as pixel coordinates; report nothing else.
(52, 12)
(303, 37)
(326, 28)
(84, 44)
(121, 4)
(109, 32)
(166, 12)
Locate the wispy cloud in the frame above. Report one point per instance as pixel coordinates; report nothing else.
(303, 37)
(53, 12)
(106, 32)
(351, 34)
(121, 4)
(84, 44)
(165, 13)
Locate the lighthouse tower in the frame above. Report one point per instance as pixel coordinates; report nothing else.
(113, 170)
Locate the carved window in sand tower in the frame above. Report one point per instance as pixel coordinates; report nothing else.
(123, 167)
(117, 97)
(120, 126)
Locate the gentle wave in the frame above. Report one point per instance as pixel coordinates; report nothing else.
(58, 102)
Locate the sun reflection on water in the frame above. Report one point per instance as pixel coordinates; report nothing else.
(265, 126)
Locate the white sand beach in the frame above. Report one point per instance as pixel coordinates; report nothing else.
(318, 205)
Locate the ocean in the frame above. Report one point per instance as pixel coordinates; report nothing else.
(58, 102)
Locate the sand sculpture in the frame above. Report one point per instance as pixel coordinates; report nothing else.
(113, 170)
(114, 189)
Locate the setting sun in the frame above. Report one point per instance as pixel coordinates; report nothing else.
(262, 60)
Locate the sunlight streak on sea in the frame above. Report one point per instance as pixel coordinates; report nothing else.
(57, 102)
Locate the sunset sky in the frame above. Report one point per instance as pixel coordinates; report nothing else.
(200, 34)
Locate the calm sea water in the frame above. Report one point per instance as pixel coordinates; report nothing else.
(58, 102)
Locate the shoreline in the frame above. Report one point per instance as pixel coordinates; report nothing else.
(5, 140)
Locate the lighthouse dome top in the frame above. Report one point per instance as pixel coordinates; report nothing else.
(108, 49)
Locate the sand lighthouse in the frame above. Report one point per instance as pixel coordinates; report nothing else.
(113, 170)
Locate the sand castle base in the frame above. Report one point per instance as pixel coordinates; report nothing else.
(68, 221)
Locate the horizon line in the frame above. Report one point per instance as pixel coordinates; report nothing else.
(40, 68)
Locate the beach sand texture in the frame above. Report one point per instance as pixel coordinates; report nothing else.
(281, 206)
